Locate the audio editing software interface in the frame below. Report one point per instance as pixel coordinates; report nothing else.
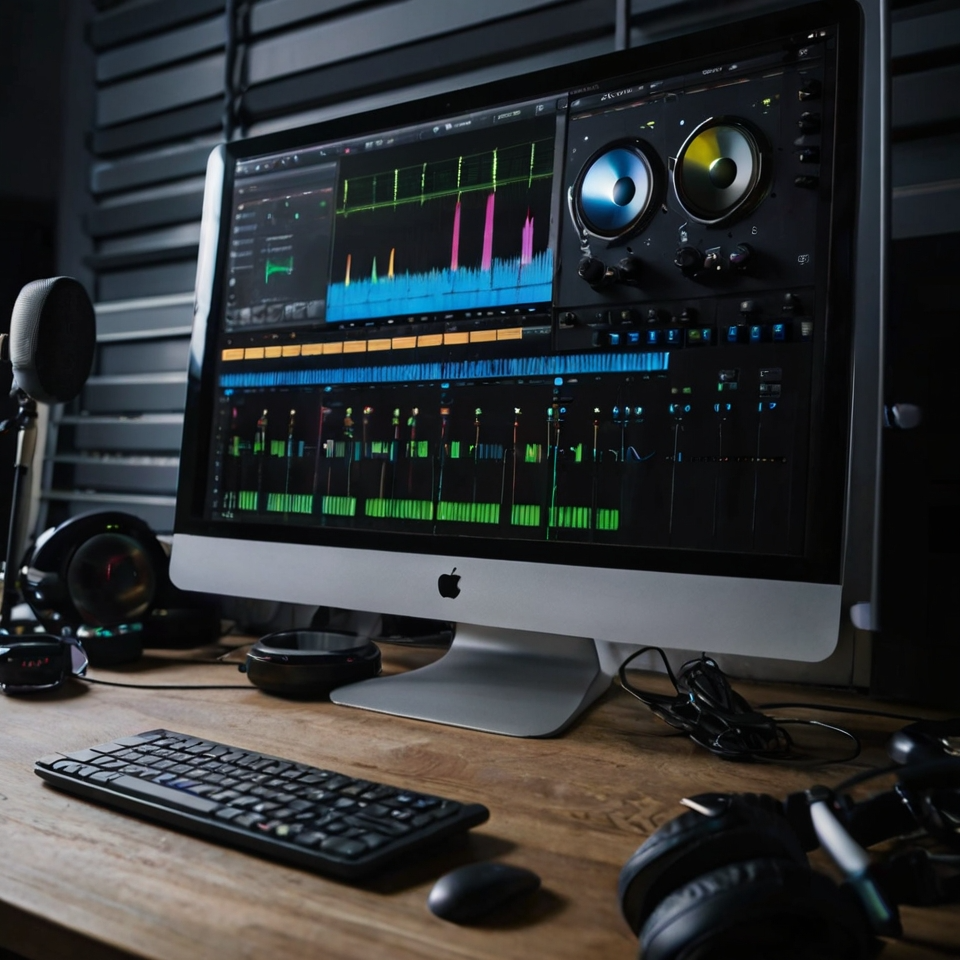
(595, 316)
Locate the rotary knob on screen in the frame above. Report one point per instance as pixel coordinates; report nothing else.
(592, 271)
(688, 259)
(628, 270)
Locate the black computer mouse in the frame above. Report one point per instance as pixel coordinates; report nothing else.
(925, 740)
(472, 892)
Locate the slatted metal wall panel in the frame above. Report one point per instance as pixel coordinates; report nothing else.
(158, 76)
(926, 119)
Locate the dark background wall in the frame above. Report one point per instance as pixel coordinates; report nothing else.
(31, 55)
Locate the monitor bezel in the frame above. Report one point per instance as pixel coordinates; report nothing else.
(826, 503)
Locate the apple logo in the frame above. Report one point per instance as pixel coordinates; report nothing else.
(449, 584)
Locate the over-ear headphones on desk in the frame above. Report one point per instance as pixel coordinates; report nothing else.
(103, 577)
(730, 878)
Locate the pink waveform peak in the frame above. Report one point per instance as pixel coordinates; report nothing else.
(526, 245)
(486, 260)
(455, 247)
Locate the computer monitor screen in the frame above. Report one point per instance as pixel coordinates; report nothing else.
(563, 358)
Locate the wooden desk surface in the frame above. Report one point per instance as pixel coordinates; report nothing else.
(78, 880)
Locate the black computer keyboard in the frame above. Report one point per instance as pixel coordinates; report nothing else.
(334, 824)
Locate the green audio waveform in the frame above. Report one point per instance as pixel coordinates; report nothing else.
(248, 500)
(575, 518)
(418, 449)
(468, 512)
(608, 519)
(525, 515)
(340, 506)
(399, 509)
(277, 266)
(290, 502)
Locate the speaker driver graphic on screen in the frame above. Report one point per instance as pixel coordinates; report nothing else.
(720, 172)
(617, 189)
(616, 193)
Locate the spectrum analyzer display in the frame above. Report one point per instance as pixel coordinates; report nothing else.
(461, 225)
(356, 233)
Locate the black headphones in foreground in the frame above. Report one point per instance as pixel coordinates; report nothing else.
(730, 877)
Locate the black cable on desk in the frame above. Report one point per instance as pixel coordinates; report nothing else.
(706, 708)
(830, 708)
(168, 686)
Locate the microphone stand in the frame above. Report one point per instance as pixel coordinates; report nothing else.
(25, 423)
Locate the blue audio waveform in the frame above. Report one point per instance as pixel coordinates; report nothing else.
(505, 284)
(502, 368)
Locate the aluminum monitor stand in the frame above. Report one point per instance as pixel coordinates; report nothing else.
(513, 682)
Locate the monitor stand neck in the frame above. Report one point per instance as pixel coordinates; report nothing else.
(512, 682)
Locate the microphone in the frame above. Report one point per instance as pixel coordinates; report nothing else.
(53, 333)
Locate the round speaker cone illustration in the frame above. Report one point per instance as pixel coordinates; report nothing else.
(720, 170)
(616, 190)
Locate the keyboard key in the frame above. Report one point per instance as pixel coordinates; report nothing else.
(203, 790)
(343, 847)
(178, 799)
(373, 840)
(224, 796)
(378, 793)
(287, 831)
(309, 838)
(338, 782)
(250, 819)
(276, 767)
(66, 766)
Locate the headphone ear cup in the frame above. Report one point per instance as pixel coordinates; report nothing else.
(694, 844)
(756, 909)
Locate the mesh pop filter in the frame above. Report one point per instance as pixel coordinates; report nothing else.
(53, 331)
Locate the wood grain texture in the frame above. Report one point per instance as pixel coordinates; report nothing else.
(81, 880)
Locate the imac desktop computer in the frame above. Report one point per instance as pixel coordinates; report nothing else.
(564, 359)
